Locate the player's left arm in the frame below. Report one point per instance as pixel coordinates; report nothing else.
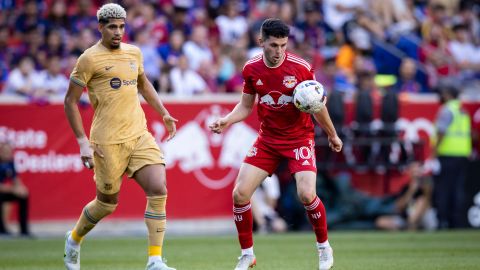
(323, 118)
(148, 92)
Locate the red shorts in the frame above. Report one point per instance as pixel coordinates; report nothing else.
(300, 156)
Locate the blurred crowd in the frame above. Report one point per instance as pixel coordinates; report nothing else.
(193, 47)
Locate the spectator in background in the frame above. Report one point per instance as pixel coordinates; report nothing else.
(464, 51)
(197, 48)
(406, 82)
(179, 20)
(30, 17)
(208, 18)
(264, 203)
(54, 46)
(171, 51)
(23, 80)
(53, 83)
(32, 40)
(233, 26)
(436, 56)
(393, 15)
(467, 15)
(84, 17)
(316, 32)
(413, 206)
(185, 81)
(5, 55)
(235, 83)
(338, 12)
(326, 74)
(437, 16)
(12, 192)
(154, 63)
(453, 146)
(57, 18)
(83, 41)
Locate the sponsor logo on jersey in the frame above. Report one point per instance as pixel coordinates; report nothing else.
(129, 82)
(115, 83)
(275, 99)
(289, 81)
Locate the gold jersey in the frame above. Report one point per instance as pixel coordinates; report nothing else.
(111, 79)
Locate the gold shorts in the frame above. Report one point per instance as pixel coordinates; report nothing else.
(122, 158)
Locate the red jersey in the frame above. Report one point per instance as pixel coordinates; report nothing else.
(280, 121)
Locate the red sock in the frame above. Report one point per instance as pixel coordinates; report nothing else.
(318, 219)
(242, 214)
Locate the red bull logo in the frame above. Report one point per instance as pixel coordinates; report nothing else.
(275, 99)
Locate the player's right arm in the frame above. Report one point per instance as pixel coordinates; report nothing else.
(241, 111)
(75, 120)
(78, 80)
(323, 118)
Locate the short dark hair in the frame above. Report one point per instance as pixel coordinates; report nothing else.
(275, 28)
(449, 86)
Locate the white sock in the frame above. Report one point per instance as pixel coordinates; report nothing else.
(323, 245)
(72, 242)
(247, 251)
(154, 258)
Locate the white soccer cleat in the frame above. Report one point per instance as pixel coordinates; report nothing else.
(158, 265)
(325, 258)
(71, 255)
(245, 262)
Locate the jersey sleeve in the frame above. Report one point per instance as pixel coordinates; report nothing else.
(247, 82)
(83, 71)
(311, 74)
(140, 62)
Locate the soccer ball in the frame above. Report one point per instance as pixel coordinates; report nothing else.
(309, 96)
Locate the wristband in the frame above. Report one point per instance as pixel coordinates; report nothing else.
(85, 149)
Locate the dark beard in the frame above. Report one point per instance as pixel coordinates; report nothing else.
(115, 47)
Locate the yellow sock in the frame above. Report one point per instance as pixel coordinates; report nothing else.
(76, 237)
(92, 213)
(155, 251)
(155, 219)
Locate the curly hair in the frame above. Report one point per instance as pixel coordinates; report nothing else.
(110, 11)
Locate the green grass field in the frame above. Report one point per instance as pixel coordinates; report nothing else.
(352, 250)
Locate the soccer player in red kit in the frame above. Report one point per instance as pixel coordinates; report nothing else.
(285, 133)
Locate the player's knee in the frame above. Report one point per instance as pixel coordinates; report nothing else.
(306, 197)
(96, 210)
(240, 196)
(159, 190)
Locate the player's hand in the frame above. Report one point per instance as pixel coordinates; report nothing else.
(20, 190)
(335, 143)
(86, 152)
(170, 124)
(219, 125)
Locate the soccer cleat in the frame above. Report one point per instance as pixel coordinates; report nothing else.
(71, 255)
(245, 262)
(158, 265)
(325, 258)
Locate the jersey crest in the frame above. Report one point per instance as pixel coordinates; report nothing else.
(289, 81)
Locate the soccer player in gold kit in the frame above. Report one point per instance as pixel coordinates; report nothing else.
(119, 141)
